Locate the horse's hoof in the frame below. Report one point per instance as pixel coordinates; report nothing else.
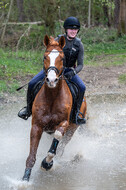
(47, 166)
(27, 174)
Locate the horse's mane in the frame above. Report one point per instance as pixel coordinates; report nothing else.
(53, 42)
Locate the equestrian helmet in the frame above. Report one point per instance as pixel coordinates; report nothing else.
(71, 23)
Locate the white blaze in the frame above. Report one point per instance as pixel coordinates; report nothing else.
(52, 74)
(53, 55)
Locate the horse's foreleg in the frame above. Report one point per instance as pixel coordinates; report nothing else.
(35, 136)
(67, 137)
(47, 163)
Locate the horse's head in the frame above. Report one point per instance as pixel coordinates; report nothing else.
(53, 60)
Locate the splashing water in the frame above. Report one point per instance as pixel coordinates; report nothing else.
(94, 159)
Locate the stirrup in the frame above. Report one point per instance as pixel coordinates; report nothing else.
(80, 120)
(23, 113)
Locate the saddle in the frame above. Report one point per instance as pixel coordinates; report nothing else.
(74, 89)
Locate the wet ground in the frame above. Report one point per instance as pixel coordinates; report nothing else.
(95, 158)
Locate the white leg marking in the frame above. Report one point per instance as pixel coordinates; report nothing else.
(49, 157)
(58, 135)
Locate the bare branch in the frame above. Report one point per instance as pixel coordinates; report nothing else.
(24, 23)
(8, 15)
(25, 33)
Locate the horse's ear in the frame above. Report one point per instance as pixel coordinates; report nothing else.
(62, 42)
(46, 40)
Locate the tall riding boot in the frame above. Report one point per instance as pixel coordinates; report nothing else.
(26, 112)
(80, 120)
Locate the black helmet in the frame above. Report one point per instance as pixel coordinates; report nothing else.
(71, 23)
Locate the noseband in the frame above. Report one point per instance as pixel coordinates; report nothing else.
(52, 68)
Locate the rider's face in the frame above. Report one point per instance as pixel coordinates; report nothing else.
(72, 33)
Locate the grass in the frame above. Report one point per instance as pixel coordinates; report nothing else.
(14, 68)
(103, 43)
(102, 48)
(122, 78)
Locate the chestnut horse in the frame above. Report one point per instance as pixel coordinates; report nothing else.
(52, 106)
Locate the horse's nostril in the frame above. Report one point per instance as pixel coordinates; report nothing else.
(56, 80)
(47, 80)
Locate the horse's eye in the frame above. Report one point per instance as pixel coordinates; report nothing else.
(44, 57)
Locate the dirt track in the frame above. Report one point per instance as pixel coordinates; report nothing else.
(98, 80)
(103, 79)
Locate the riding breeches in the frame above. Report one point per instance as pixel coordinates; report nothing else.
(40, 76)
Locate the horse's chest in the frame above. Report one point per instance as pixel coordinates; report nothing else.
(52, 111)
(53, 118)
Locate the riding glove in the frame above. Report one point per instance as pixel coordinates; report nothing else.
(70, 73)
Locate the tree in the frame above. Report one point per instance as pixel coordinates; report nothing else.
(20, 10)
(89, 14)
(122, 18)
(106, 13)
(116, 13)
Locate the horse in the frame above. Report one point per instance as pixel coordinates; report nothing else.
(52, 106)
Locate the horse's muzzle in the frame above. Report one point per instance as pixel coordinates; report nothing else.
(51, 77)
(52, 83)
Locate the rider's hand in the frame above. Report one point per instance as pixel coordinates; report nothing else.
(70, 73)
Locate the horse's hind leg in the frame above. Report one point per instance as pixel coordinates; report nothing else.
(35, 136)
(83, 108)
(67, 137)
(47, 163)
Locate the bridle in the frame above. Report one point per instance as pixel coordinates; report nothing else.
(53, 67)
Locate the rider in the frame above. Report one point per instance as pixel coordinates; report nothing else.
(74, 52)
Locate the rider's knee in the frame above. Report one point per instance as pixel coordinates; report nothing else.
(31, 84)
(83, 88)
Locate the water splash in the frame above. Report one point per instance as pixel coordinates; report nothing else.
(15, 184)
(93, 159)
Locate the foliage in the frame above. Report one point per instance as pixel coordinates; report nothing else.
(100, 42)
(102, 47)
(14, 70)
(58, 9)
(3, 5)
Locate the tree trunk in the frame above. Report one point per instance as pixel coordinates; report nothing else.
(21, 16)
(106, 13)
(122, 18)
(89, 14)
(116, 13)
(51, 14)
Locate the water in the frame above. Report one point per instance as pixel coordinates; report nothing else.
(94, 159)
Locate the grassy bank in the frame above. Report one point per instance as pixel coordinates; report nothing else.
(102, 48)
(16, 69)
